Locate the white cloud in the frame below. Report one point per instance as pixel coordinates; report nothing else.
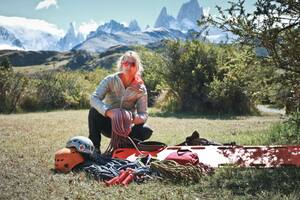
(33, 24)
(124, 23)
(86, 27)
(7, 46)
(46, 4)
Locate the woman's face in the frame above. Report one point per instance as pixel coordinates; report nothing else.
(129, 66)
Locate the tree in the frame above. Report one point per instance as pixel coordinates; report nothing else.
(190, 68)
(273, 26)
(12, 86)
(206, 78)
(5, 64)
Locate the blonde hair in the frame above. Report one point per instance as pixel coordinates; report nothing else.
(133, 55)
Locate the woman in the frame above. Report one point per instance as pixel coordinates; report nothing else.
(124, 89)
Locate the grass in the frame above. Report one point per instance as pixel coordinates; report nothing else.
(29, 141)
(39, 68)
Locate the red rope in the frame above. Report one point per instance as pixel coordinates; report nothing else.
(121, 128)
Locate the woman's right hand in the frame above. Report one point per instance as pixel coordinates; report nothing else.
(110, 113)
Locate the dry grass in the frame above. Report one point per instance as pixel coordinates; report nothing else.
(28, 142)
(39, 68)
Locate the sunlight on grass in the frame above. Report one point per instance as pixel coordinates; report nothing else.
(28, 142)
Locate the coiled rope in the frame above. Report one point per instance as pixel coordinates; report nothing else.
(188, 173)
(121, 128)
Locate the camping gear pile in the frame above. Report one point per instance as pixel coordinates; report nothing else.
(80, 155)
(188, 161)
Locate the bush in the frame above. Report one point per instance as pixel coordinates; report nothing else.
(190, 68)
(154, 65)
(287, 132)
(207, 78)
(12, 86)
(233, 85)
(47, 90)
(228, 96)
(30, 100)
(66, 89)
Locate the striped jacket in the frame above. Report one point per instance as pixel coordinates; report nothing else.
(111, 93)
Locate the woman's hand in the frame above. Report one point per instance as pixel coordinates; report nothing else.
(111, 113)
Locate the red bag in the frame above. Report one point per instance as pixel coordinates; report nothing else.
(183, 157)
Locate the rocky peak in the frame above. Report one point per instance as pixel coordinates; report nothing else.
(112, 27)
(7, 37)
(190, 11)
(70, 40)
(71, 31)
(133, 26)
(164, 20)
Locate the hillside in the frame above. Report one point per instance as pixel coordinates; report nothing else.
(71, 59)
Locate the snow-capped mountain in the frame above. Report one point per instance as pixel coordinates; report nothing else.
(100, 41)
(112, 27)
(9, 40)
(35, 39)
(33, 34)
(70, 40)
(188, 15)
(133, 26)
(186, 22)
(165, 20)
(216, 35)
(186, 19)
(167, 27)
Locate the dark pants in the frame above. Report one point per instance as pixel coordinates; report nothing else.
(98, 124)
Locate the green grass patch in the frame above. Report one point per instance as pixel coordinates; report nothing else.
(29, 141)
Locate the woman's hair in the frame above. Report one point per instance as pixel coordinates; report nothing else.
(135, 56)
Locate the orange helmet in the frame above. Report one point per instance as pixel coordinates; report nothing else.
(66, 159)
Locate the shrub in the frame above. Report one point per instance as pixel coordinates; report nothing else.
(228, 96)
(287, 132)
(54, 89)
(12, 86)
(189, 70)
(207, 78)
(66, 89)
(154, 66)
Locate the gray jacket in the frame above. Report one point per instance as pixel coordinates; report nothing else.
(111, 93)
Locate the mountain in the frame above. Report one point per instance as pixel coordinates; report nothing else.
(112, 33)
(112, 27)
(71, 60)
(29, 58)
(167, 27)
(164, 20)
(186, 19)
(33, 39)
(9, 40)
(217, 35)
(133, 26)
(70, 40)
(100, 41)
(188, 15)
(33, 34)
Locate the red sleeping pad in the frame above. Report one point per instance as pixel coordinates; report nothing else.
(216, 156)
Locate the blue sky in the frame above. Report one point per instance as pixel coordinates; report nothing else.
(87, 14)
